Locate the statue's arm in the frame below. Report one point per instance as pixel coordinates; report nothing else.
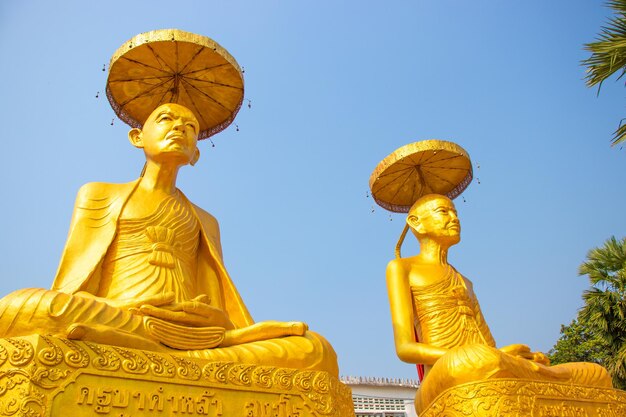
(91, 230)
(401, 304)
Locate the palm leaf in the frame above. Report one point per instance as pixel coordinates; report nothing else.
(608, 55)
(620, 134)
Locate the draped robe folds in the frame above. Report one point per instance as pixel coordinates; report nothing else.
(448, 316)
(92, 230)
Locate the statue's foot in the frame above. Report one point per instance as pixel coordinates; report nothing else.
(76, 331)
(297, 328)
(264, 330)
(109, 336)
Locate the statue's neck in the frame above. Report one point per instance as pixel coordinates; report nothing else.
(159, 177)
(432, 252)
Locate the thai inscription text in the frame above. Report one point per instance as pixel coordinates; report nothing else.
(575, 409)
(104, 400)
(281, 408)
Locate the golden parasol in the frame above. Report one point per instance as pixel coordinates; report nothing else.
(172, 66)
(420, 168)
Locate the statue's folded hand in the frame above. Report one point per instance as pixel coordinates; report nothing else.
(523, 351)
(518, 349)
(195, 313)
(541, 358)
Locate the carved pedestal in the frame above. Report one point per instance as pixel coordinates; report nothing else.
(48, 376)
(521, 398)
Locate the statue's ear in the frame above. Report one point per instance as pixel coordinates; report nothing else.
(413, 222)
(134, 136)
(195, 157)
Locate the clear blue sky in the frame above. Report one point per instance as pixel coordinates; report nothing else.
(335, 87)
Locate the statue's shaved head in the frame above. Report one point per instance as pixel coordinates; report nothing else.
(425, 204)
(174, 107)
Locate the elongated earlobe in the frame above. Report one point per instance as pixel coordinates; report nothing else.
(195, 157)
(134, 136)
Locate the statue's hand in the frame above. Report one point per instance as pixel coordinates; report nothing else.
(196, 313)
(519, 350)
(263, 330)
(541, 358)
(523, 351)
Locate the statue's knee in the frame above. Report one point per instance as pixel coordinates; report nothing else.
(475, 361)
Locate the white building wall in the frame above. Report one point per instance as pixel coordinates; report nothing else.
(382, 397)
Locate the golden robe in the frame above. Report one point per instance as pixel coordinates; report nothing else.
(92, 238)
(448, 316)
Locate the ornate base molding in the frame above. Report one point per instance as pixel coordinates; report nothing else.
(49, 376)
(523, 398)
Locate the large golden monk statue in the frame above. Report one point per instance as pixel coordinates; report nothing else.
(142, 268)
(437, 319)
(142, 318)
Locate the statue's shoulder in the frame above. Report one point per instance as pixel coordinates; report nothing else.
(466, 280)
(104, 190)
(399, 264)
(398, 270)
(204, 216)
(468, 284)
(103, 195)
(406, 264)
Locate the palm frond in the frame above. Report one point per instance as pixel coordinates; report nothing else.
(608, 55)
(620, 134)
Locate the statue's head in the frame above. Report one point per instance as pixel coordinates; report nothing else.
(434, 216)
(169, 135)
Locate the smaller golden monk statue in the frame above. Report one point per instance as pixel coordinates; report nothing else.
(142, 266)
(433, 301)
(436, 317)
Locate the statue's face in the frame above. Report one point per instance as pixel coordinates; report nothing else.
(170, 134)
(437, 219)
